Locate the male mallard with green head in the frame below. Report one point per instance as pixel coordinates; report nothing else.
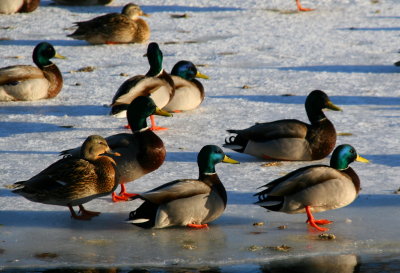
(189, 92)
(315, 188)
(290, 139)
(73, 181)
(186, 202)
(142, 151)
(26, 82)
(114, 28)
(157, 84)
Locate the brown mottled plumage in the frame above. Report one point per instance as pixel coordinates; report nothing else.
(73, 181)
(142, 151)
(114, 28)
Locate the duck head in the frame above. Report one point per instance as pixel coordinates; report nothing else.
(42, 54)
(187, 70)
(94, 146)
(343, 155)
(315, 102)
(155, 58)
(209, 156)
(140, 109)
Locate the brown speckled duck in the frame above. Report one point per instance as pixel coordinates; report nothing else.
(157, 84)
(26, 82)
(74, 181)
(114, 28)
(315, 188)
(142, 151)
(186, 202)
(14, 6)
(290, 139)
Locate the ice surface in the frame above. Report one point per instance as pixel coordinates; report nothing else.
(345, 48)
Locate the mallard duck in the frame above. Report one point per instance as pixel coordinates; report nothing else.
(74, 181)
(114, 28)
(14, 6)
(189, 92)
(300, 7)
(141, 152)
(186, 202)
(26, 82)
(290, 139)
(83, 2)
(157, 83)
(315, 188)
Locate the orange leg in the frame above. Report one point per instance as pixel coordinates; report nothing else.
(197, 226)
(314, 223)
(154, 127)
(123, 195)
(300, 8)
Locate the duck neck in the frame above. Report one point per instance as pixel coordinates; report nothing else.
(315, 115)
(206, 170)
(137, 123)
(41, 62)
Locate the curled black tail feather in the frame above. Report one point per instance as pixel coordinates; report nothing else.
(147, 210)
(276, 202)
(236, 143)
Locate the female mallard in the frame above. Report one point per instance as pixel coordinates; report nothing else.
(157, 84)
(14, 6)
(290, 139)
(186, 202)
(83, 2)
(26, 82)
(189, 92)
(74, 181)
(315, 188)
(114, 28)
(141, 152)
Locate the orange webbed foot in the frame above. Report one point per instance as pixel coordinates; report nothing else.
(300, 7)
(197, 226)
(314, 223)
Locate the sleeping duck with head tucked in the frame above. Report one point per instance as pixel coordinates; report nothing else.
(28, 83)
(114, 28)
(290, 139)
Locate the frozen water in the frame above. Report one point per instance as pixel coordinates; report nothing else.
(345, 48)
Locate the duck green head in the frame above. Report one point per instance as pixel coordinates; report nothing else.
(343, 155)
(155, 58)
(315, 102)
(42, 54)
(140, 109)
(187, 70)
(209, 156)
